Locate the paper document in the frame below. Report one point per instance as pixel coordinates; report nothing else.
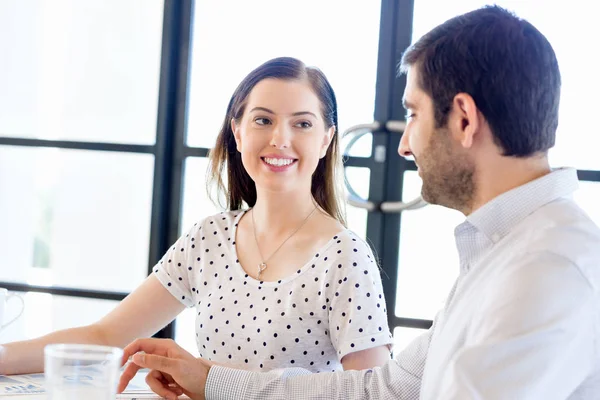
(21, 384)
(33, 384)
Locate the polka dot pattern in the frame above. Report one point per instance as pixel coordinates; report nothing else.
(329, 307)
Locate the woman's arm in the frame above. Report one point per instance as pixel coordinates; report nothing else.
(365, 359)
(357, 310)
(141, 314)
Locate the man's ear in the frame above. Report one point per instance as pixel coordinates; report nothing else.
(236, 134)
(464, 119)
(327, 138)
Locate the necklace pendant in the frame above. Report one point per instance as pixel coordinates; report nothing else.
(261, 267)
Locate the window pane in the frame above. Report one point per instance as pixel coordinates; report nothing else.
(428, 261)
(45, 313)
(404, 336)
(361, 148)
(75, 218)
(80, 70)
(185, 331)
(196, 204)
(360, 179)
(345, 49)
(563, 24)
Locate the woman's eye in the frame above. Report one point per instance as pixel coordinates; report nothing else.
(304, 125)
(262, 121)
(409, 116)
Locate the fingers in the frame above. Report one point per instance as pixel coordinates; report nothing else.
(157, 346)
(163, 356)
(154, 346)
(171, 384)
(161, 386)
(127, 375)
(160, 363)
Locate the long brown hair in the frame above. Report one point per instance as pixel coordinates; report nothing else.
(239, 187)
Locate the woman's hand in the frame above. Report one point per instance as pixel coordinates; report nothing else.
(174, 371)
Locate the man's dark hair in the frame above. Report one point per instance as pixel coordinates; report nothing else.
(505, 64)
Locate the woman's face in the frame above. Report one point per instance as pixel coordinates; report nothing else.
(282, 135)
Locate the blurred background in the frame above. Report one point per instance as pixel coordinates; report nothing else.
(108, 109)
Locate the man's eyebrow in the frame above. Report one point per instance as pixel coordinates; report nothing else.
(408, 104)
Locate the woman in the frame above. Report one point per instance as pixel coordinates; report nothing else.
(280, 284)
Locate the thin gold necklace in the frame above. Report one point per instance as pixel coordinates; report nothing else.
(263, 264)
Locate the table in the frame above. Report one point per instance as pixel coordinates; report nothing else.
(137, 388)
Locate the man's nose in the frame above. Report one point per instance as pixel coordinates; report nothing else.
(404, 147)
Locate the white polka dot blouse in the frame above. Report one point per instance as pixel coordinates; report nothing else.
(332, 306)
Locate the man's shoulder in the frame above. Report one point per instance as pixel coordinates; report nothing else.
(563, 229)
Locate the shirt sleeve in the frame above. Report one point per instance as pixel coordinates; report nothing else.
(538, 339)
(357, 313)
(174, 270)
(399, 379)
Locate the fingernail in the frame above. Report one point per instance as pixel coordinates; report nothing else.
(139, 358)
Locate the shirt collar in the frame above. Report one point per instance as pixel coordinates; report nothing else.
(499, 216)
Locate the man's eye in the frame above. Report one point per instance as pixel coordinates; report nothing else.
(262, 121)
(409, 116)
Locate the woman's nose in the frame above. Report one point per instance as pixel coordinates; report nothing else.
(280, 138)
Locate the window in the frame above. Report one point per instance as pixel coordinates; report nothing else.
(78, 111)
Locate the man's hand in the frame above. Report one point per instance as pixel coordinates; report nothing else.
(174, 371)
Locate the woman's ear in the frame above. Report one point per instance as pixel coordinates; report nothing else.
(327, 138)
(236, 134)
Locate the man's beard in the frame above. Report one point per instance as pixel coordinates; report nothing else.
(447, 173)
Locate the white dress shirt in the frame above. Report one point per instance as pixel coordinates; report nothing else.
(521, 322)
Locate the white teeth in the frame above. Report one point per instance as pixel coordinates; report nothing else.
(278, 162)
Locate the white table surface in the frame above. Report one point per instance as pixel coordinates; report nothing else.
(138, 381)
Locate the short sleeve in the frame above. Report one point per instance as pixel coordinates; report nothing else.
(358, 313)
(174, 270)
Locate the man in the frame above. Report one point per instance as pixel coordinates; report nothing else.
(522, 321)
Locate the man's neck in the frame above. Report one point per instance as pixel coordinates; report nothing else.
(504, 174)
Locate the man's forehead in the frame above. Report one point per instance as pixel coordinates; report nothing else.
(413, 95)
